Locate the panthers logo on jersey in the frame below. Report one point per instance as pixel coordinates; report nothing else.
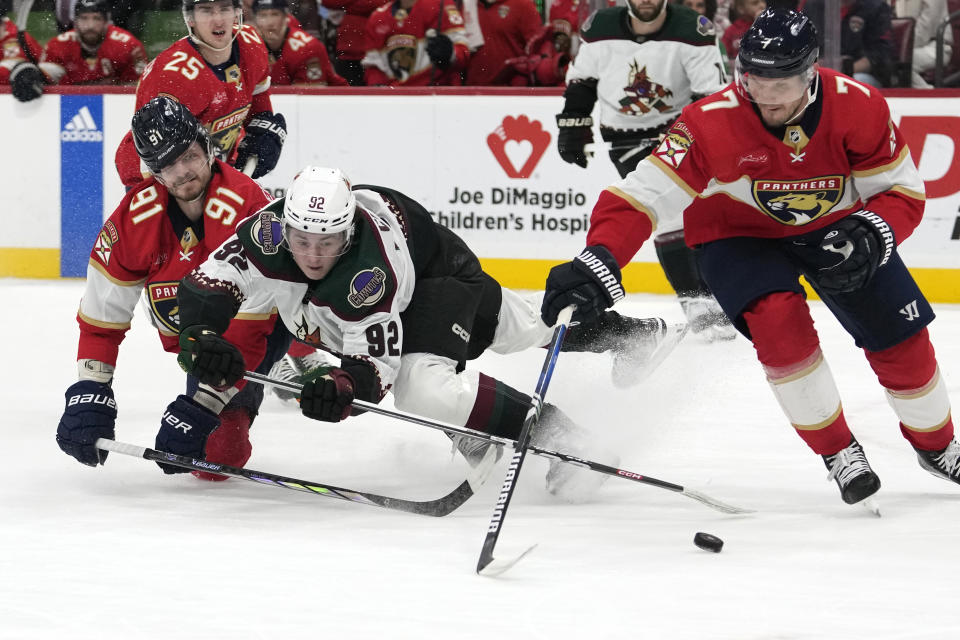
(163, 303)
(797, 203)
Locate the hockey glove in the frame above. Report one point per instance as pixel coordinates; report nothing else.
(329, 397)
(857, 245)
(210, 358)
(184, 430)
(575, 133)
(91, 413)
(440, 51)
(591, 282)
(265, 135)
(26, 82)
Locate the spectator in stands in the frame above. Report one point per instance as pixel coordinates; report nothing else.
(744, 12)
(929, 14)
(415, 43)
(351, 36)
(703, 7)
(295, 56)
(21, 53)
(94, 51)
(550, 51)
(507, 26)
(865, 46)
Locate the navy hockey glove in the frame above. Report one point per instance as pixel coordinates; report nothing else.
(591, 282)
(857, 245)
(91, 413)
(210, 358)
(265, 135)
(26, 82)
(440, 51)
(184, 430)
(329, 397)
(575, 133)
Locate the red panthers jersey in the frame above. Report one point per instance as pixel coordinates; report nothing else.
(146, 244)
(731, 176)
(119, 59)
(506, 25)
(13, 54)
(397, 44)
(222, 106)
(302, 60)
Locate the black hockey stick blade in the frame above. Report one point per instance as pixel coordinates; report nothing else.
(442, 506)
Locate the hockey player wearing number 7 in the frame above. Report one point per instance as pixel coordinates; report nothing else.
(790, 170)
(162, 229)
(366, 274)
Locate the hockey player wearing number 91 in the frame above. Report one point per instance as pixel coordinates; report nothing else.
(220, 72)
(402, 302)
(776, 179)
(161, 230)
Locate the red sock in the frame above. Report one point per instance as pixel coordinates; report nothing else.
(229, 444)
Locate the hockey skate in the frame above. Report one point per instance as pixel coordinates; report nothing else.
(638, 345)
(556, 431)
(849, 467)
(480, 455)
(944, 464)
(291, 369)
(707, 320)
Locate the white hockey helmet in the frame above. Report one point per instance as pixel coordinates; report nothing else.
(320, 201)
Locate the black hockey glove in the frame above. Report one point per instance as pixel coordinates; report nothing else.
(575, 133)
(26, 82)
(265, 135)
(591, 282)
(440, 51)
(857, 246)
(91, 413)
(329, 397)
(210, 358)
(184, 430)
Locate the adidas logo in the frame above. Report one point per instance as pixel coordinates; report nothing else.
(82, 128)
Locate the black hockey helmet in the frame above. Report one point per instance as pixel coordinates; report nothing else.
(163, 129)
(93, 6)
(781, 43)
(258, 5)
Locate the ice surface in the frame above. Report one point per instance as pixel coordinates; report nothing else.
(126, 552)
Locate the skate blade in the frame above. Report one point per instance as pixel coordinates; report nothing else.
(635, 375)
(871, 505)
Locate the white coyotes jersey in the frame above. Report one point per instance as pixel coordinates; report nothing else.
(644, 82)
(370, 285)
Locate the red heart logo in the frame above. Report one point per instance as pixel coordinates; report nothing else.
(518, 131)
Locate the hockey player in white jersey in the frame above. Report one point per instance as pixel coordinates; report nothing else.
(643, 63)
(367, 275)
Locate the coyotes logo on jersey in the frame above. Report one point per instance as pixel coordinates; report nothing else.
(798, 203)
(643, 95)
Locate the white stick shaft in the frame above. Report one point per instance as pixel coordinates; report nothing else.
(120, 447)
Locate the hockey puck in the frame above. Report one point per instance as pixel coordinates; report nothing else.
(708, 542)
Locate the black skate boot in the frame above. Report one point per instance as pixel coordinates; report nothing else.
(849, 467)
(944, 463)
(638, 345)
(556, 431)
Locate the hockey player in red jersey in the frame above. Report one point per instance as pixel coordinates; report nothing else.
(20, 56)
(220, 72)
(161, 230)
(94, 51)
(775, 180)
(296, 57)
(415, 43)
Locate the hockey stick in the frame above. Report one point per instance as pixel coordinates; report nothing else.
(485, 565)
(713, 503)
(439, 507)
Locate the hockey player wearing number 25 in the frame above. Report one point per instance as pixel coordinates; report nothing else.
(367, 275)
(790, 170)
(163, 228)
(220, 72)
